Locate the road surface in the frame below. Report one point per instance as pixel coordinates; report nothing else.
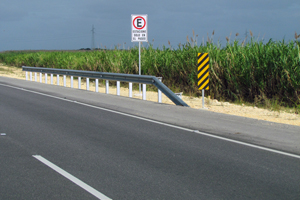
(62, 143)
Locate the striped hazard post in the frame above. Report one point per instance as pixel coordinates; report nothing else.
(203, 73)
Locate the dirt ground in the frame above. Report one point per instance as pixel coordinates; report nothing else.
(196, 103)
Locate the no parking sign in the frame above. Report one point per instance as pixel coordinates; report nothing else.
(139, 28)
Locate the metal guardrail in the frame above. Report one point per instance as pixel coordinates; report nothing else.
(151, 80)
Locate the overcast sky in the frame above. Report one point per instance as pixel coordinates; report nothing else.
(67, 24)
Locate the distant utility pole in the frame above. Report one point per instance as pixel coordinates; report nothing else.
(93, 38)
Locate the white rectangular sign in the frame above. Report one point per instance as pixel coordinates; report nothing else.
(139, 32)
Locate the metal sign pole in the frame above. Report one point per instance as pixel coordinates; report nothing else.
(140, 64)
(203, 98)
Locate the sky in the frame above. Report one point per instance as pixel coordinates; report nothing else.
(67, 24)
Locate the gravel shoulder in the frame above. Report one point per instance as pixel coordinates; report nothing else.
(196, 103)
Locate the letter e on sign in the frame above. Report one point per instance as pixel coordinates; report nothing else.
(138, 24)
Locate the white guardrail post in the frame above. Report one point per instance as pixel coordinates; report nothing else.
(107, 86)
(130, 89)
(79, 82)
(65, 81)
(46, 78)
(57, 79)
(51, 79)
(96, 85)
(87, 84)
(118, 88)
(72, 82)
(41, 77)
(144, 91)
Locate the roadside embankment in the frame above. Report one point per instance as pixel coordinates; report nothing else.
(210, 104)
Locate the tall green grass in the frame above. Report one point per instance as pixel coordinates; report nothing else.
(252, 72)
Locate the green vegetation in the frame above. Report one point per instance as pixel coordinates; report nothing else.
(253, 71)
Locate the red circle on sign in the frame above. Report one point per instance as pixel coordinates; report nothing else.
(144, 22)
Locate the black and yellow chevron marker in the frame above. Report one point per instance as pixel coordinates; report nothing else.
(203, 65)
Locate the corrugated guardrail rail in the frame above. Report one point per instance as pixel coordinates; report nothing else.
(151, 80)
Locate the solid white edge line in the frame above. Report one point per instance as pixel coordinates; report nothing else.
(250, 145)
(72, 178)
(165, 124)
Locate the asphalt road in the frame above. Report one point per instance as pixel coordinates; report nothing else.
(128, 157)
